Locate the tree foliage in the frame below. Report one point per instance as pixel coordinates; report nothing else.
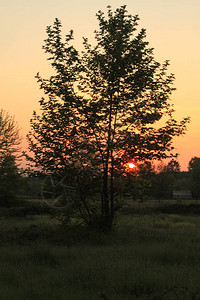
(9, 154)
(194, 175)
(9, 181)
(136, 183)
(104, 107)
(173, 166)
(9, 136)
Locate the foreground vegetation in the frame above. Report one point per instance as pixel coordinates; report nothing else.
(147, 256)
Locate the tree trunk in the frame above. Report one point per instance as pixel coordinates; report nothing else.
(106, 207)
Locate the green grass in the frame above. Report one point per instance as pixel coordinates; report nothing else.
(155, 256)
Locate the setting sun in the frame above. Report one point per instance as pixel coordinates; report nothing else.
(131, 165)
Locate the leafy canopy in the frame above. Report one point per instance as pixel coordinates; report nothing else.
(104, 104)
(104, 107)
(9, 136)
(9, 155)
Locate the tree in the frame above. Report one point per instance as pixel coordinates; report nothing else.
(104, 106)
(9, 136)
(173, 166)
(194, 176)
(137, 182)
(164, 180)
(9, 180)
(9, 154)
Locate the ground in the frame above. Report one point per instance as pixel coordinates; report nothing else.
(148, 255)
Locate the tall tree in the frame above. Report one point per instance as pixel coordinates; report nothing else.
(9, 154)
(194, 176)
(104, 107)
(9, 181)
(173, 166)
(9, 136)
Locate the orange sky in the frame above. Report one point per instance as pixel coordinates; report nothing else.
(173, 29)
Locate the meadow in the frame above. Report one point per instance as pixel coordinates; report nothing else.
(148, 255)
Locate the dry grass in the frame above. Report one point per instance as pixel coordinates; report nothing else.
(152, 256)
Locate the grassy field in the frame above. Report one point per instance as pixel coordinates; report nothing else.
(147, 256)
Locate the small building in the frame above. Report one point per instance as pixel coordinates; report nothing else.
(181, 194)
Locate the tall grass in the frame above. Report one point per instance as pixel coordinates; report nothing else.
(146, 257)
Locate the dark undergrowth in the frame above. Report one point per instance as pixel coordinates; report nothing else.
(153, 256)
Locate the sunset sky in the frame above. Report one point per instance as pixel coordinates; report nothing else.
(173, 29)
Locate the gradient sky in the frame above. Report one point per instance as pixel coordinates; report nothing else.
(173, 30)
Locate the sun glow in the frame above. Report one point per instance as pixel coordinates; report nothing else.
(131, 165)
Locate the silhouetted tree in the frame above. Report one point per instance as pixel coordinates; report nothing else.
(9, 136)
(9, 154)
(164, 183)
(137, 182)
(194, 176)
(9, 181)
(173, 166)
(102, 106)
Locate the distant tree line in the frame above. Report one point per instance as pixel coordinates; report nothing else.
(150, 182)
(146, 181)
